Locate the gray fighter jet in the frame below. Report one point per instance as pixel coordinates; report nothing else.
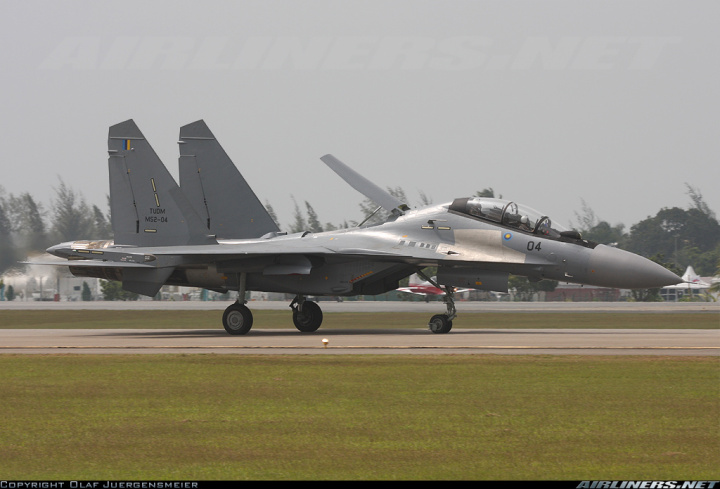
(211, 231)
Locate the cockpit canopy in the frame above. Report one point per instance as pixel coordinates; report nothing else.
(511, 215)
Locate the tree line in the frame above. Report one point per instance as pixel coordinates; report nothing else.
(27, 228)
(674, 237)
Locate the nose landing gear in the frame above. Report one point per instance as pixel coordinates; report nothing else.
(442, 323)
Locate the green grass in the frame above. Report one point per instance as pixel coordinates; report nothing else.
(392, 320)
(235, 417)
(202, 417)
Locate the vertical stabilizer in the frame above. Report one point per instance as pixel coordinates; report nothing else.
(147, 207)
(217, 191)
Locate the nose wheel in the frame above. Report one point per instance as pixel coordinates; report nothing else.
(442, 323)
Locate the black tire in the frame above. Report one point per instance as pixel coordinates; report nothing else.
(237, 319)
(440, 324)
(310, 319)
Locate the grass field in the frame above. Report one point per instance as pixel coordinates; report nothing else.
(233, 417)
(357, 417)
(394, 320)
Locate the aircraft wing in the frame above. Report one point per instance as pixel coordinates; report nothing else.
(145, 270)
(171, 256)
(276, 250)
(364, 186)
(89, 264)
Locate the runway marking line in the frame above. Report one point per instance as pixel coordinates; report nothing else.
(351, 347)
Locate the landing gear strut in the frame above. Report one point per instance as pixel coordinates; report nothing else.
(237, 318)
(442, 323)
(307, 315)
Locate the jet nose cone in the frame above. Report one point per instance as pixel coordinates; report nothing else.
(60, 250)
(612, 267)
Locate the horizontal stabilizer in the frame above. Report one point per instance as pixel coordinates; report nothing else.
(364, 186)
(216, 189)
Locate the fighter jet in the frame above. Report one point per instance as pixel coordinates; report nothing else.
(421, 287)
(212, 232)
(425, 287)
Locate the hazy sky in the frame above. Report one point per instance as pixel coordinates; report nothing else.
(548, 102)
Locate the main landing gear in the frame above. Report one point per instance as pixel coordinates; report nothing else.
(442, 323)
(307, 316)
(237, 319)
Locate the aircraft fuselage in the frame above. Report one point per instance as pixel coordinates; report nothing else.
(372, 260)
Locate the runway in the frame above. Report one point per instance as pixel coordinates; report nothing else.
(458, 341)
(688, 342)
(432, 307)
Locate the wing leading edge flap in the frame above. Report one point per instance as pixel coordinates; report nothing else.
(364, 186)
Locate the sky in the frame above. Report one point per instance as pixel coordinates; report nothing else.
(554, 104)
